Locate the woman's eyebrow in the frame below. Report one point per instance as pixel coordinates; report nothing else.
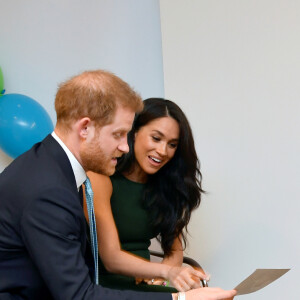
(161, 134)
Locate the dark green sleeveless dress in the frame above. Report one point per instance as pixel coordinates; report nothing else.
(135, 232)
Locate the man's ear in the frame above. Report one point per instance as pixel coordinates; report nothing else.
(83, 127)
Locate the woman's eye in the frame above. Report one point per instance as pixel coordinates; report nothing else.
(155, 138)
(173, 146)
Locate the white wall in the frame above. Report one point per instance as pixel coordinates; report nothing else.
(46, 42)
(234, 67)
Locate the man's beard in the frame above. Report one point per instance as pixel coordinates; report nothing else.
(94, 159)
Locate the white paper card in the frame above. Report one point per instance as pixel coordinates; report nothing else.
(258, 280)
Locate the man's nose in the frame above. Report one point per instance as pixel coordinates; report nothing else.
(124, 147)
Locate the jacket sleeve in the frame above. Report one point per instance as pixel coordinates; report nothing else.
(51, 226)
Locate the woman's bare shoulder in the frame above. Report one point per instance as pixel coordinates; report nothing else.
(100, 181)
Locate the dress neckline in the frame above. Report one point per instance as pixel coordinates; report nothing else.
(131, 181)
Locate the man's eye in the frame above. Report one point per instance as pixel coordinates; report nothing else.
(117, 135)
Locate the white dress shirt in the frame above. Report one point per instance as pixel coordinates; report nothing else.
(80, 175)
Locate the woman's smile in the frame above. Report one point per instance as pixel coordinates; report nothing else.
(155, 161)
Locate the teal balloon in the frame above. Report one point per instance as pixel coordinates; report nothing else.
(23, 122)
(1, 83)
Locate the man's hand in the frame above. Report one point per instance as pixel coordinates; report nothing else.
(207, 294)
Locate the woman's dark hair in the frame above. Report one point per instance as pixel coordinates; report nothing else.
(175, 190)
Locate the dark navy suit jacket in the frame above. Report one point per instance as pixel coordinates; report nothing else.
(43, 231)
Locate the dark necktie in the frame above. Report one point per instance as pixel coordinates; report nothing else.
(92, 223)
(80, 194)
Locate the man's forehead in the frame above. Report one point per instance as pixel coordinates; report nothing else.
(123, 115)
(122, 120)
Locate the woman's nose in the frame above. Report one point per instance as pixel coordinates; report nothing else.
(162, 149)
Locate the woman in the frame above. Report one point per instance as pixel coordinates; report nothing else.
(152, 194)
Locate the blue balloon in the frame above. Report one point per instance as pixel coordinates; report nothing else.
(23, 122)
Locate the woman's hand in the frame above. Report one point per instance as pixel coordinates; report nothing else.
(153, 281)
(185, 278)
(181, 278)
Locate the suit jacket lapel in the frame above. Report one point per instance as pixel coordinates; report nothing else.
(58, 154)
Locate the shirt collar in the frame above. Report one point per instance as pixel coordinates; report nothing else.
(79, 173)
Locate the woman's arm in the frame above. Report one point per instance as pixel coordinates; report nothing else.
(176, 256)
(175, 259)
(113, 257)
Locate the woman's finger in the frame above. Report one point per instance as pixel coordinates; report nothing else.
(155, 281)
(200, 274)
(182, 286)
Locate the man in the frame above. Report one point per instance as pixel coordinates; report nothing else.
(43, 251)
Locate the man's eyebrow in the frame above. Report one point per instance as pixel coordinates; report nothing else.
(161, 134)
(121, 129)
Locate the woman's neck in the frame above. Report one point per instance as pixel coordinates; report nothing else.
(136, 174)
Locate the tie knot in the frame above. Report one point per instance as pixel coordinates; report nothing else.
(87, 182)
(88, 187)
